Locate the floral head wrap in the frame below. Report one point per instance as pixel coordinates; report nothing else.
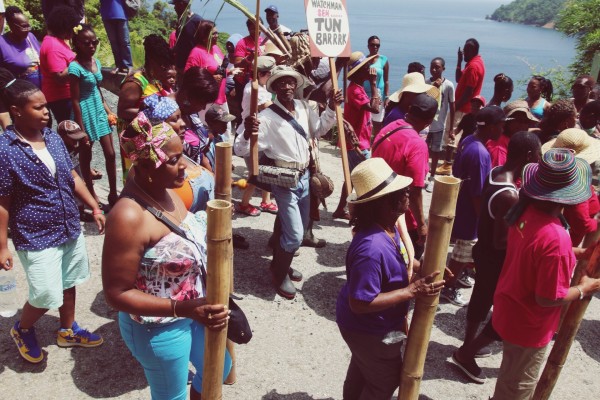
(147, 141)
(159, 108)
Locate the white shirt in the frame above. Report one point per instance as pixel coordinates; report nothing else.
(46, 157)
(264, 96)
(279, 140)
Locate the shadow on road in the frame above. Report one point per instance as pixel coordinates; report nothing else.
(273, 395)
(321, 291)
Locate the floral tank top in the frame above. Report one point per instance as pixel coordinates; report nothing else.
(172, 267)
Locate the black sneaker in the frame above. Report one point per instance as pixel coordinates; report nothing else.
(470, 368)
(454, 296)
(465, 280)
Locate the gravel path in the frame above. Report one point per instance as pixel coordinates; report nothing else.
(297, 352)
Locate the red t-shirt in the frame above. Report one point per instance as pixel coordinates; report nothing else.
(55, 56)
(498, 150)
(539, 261)
(407, 154)
(244, 47)
(200, 57)
(472, 76)
(581, 218)
(357, 117)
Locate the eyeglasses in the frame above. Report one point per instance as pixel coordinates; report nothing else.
(25, 27)
(92, 42)
(374, 45)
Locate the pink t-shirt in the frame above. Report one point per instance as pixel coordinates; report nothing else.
(244, 47)
(498, 150)
(539, 261)
(407, 154)
(357, 117)
(200, 57)
(55, 56)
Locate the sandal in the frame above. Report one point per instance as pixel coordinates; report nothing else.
(269, 207)
(248, 210)
(96, 174)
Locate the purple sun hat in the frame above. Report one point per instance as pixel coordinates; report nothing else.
(559, 177)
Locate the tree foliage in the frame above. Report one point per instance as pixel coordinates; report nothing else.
(530, 12)
(581, 19)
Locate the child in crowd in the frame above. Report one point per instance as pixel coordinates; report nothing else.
(38, 186)
(90, 110)
(436, 130)
(169, 82)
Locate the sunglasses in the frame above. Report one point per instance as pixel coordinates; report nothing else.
(374, 45)
(92, 42)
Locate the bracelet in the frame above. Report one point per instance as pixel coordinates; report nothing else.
(174, 302)
(580, 292)
(97, 211)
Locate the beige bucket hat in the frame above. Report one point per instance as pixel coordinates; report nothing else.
(415, 83)
(374, 178)
(584, 146)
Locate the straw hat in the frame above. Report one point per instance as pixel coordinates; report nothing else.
(414, 83)
(357, 60)
(559, 177)
(585, 147)
(518, 106)
(373, 178)
(271, 49)
(283, 70)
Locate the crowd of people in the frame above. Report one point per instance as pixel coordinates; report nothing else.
(527, 207)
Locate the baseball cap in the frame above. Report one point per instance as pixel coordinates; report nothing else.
(272, 8)
(490, 115)
(481, 100)
(423, 107)
(217, 113)
(71, 129)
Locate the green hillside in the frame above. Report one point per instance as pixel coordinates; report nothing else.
(530, 12)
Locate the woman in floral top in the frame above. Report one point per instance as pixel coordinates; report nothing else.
(153, 275)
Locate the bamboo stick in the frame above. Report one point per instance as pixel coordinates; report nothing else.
(218, 242)
(223, 192)
(441, 219)
(566, 335)
(254, 94)
(340, 125)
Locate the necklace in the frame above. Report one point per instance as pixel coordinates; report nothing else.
(399, 248)
(177, 217)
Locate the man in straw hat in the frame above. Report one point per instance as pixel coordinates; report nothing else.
(535, 280)
(284, 130)
(372, 306)
(401, 147)
(357, 111)
(473, 164)
(580, 217)
(413, 84)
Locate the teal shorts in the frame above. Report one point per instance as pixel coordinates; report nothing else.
(51, 271)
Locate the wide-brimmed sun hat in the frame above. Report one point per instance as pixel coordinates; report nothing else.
(281, 71)
(415, 83)
(271, 49)
(518, 106)
(374, 178)
(584, 146)
(356, 62)
(559, 177)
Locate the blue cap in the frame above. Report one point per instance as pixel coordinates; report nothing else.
(272, 8)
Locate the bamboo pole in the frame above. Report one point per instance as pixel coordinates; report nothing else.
(441, 219)
(254, 94)
(340, 125)
(218, 240)
(566, 335)
(223, 192)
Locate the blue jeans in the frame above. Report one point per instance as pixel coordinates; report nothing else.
(203, 188)
(354, 159)
(165, 351)
(117, 31)
(294, 211)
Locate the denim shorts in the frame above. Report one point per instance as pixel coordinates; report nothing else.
(434, 141)
(51, 271)
(354, 159)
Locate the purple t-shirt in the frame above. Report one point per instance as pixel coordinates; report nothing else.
(374, 265)
(472, 165)
(22, 59)
(112, 9)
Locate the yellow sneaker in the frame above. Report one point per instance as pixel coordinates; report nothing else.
(78, 337)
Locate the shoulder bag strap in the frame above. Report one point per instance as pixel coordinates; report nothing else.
(387, 135)
(297, 127)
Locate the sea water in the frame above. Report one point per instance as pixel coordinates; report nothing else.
(419, 30)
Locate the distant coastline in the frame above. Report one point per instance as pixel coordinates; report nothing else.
(540, 13)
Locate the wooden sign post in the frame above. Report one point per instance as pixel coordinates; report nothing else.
(329, 32)
(254, 94)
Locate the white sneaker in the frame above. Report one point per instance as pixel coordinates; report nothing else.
(453, 296)
(429, 186)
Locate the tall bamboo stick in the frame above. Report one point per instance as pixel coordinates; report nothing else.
(254, 94)
(566, 335)
(223, 192)
(340, 125)
(441, 219)
(218, 242)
